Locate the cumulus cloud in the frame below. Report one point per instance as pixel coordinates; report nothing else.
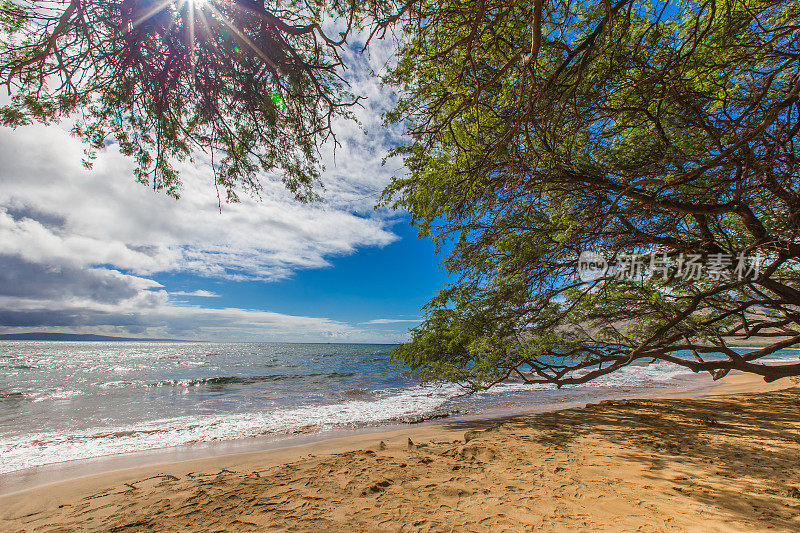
(198, 294)
(104, 217)
(78, 248)
(153, 315)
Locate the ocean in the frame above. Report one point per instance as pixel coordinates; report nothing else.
(62, 401)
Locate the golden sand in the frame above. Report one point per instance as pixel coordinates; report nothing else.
(718, 463)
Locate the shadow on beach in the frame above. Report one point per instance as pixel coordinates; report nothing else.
(726, 463)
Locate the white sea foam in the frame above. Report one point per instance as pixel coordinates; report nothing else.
(120, 379)
(43, 395)
(385, 406)
(43, 448)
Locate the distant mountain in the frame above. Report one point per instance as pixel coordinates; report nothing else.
(38, 336)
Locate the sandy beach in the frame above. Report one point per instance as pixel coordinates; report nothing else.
(723, 462)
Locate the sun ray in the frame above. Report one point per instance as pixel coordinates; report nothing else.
(204, 21)
(192, 50)
(243, 37)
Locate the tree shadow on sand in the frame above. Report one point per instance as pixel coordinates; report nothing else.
(738, 454)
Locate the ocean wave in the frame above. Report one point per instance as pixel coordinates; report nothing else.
(12, 396)
(356, 394)
(39, 396)
(349, 399)
(410, 404)
(23, 367)
(221, 381)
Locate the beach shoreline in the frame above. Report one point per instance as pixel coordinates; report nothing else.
(283, 445)
(22, 507)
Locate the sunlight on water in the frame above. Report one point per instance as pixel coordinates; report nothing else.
(69, 400)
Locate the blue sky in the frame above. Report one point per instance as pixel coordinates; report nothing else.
(92, 251)
(385, 284)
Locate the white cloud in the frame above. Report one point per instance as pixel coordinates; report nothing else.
(150, 314)
(110, 219)
(392, 321)
(198, 294)
(83, 245)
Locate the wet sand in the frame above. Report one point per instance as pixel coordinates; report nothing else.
(723, 462)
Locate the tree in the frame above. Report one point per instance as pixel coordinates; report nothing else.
(539, 131)
(254, 84)
(546, 130)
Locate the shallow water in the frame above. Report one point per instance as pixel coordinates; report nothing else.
(71, 400)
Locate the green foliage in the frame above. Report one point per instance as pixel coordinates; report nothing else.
(12, 17)
(629, 126)
(165, 81)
